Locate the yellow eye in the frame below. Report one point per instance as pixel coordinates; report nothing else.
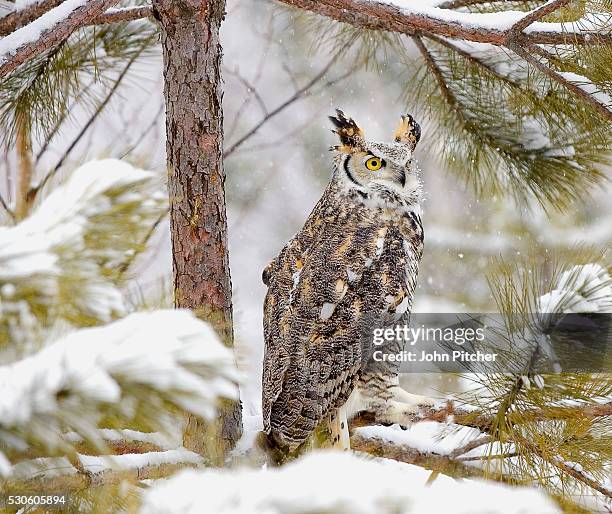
(374, 163)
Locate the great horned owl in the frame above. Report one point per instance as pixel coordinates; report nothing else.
(356, 256)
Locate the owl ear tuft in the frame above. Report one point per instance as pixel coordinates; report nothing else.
(348, 131)
(409, 131)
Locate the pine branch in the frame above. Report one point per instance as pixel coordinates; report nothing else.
(469, 417)
(18, 19)
(404, 453)
(19, 52)
(386, 17)
(123, 14)
(471, 58)
(527, 54)
(87, 472)
(537, 14)
(558, 462)
(435, 70)
(456, 4)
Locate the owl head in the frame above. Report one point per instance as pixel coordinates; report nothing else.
(372, 165)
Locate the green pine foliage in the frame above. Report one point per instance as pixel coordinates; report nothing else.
(544, 434)
(40, 93)
(506, 127)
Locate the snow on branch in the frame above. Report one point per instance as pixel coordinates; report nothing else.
(410, 17)
(58, 474)
(123, 14)
(335, 482)
(61, 262)
(51, 29)
(139, 364)
(585, 288)
(22, 13)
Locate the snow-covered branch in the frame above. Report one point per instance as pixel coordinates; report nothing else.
(60, 475)
(409, 17)
(48, 31)
(141, 364)
(585, 288)
(577, 84)
(62, 261)
(19, 17)
(123, 14)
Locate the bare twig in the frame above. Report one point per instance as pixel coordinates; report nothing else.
(128, 262)
(537, 14)
(145, 132)
(22, 17)
(527, 54)
(488, 457)
(51, 37)
(251, 89)
(7, 208)
(476, 443)
(60, 121)
(35, 190)
(299, 94)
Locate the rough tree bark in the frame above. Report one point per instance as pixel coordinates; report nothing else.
(194, 130)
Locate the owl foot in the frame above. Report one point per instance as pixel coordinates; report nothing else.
(404, 409)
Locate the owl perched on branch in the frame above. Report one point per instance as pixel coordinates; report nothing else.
(355, 260)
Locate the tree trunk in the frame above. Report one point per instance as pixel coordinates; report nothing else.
(194, 130)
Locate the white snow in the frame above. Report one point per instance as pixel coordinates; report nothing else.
(425, 436)
(336, 482)
(49, 467)
(586, 85)
(95, 464)
(169, 351)
(585, 288)
(33, 31)
(107, 434)
(499, 21)
(57, 241)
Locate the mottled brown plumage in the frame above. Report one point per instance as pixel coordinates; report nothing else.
(353, 263)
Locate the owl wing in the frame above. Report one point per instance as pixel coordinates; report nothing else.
(324, 288)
